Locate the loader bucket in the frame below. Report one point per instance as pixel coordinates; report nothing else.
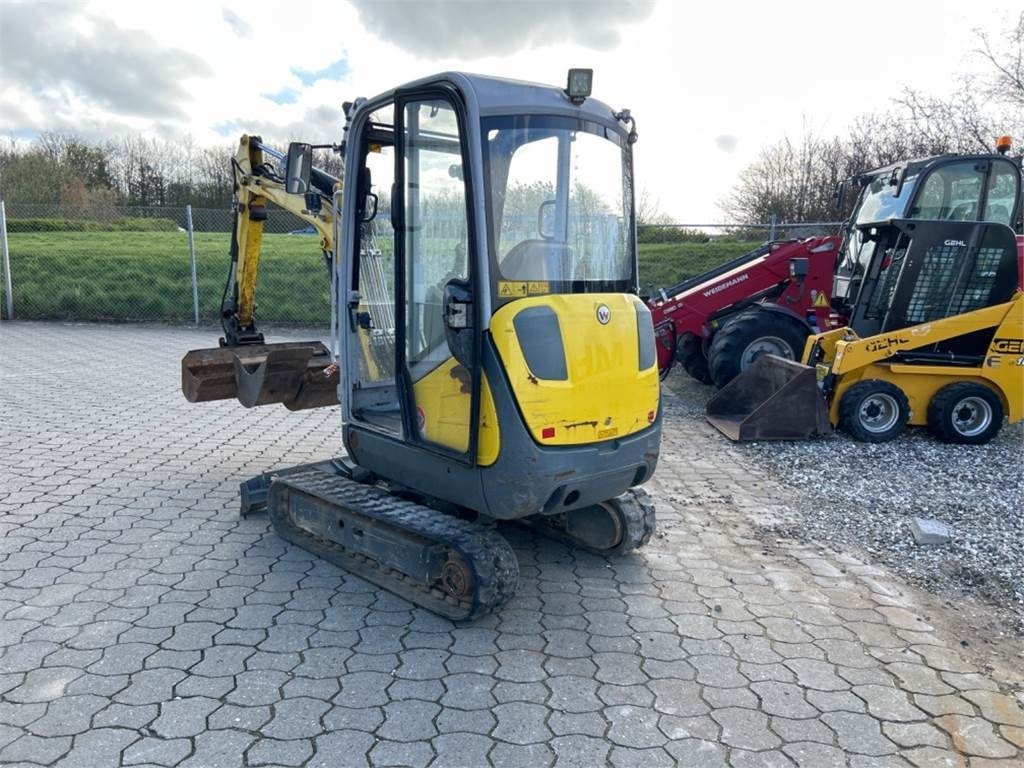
(292, 373)
(773, 399)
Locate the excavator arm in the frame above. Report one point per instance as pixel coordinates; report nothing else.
(257, 183)
(298, 374)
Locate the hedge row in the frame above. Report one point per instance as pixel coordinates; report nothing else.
(91, 225)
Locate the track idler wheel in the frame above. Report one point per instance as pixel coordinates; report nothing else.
(612, 527)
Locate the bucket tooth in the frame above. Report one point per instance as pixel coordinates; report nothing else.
(773, 399)
(291, 373)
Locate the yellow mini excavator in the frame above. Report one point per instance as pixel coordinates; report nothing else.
(931, 284)
(491, 357)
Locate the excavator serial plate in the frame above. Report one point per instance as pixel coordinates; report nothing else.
(293, 373)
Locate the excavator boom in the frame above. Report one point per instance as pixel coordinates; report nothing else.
(298, 374)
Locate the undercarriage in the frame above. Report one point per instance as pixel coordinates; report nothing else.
(451, 564)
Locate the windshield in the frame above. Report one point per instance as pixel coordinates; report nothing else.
(560, 203)
(879, 201)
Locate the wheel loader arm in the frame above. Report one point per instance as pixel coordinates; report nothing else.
(257, 184)
(855, 353)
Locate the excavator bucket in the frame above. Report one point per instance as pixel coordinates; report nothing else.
(773, 399)
(293, 373)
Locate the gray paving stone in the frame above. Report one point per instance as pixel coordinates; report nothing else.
(521, 723)
(452, 720)
(975, 736)
(783, 699)
(182, 718)
(67, 716)
(363, 719)
(33, 749)
(458, 750)
(218, 749)
(280, 753)
(159, 751)
(409, 721)
(517, 755)
(860, 734)
(583, 724)
(741, 758)
(745, 729)
(412, 754)
(698, 753)
(634, 727)
(808, 754)
(579, 751)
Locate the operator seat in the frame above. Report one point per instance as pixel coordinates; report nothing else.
(537, 260)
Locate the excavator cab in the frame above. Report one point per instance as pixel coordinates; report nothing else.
(493, 360)
(928, 241)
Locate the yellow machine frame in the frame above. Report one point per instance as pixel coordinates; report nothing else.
(850, 359)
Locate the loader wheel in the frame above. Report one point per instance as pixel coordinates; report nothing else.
(966, 413)
(874, 411)
(750, 335)
(691, 356)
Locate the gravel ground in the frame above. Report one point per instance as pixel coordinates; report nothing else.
(860, 495)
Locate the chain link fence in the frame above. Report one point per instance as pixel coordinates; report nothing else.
(169, 264)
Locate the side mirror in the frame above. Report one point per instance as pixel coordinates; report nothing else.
(299, 165)
(546, 220)
(839, 196)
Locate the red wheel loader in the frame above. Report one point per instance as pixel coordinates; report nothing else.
(770, 300)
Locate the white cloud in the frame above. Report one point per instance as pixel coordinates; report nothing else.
(694, 74)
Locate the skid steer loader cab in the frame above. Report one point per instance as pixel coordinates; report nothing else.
(943, 188)
(497, 356)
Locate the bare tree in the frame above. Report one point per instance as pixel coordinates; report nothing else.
(648, 209)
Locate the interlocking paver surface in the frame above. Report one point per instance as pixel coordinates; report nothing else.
(143, 623)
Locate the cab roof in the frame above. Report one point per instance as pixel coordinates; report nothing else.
(502, 96)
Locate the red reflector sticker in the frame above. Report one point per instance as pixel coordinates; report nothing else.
(547, 432)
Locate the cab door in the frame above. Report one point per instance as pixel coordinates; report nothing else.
(437, 341)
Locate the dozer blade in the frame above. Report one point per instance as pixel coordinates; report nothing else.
(291, 373)
(773, 399)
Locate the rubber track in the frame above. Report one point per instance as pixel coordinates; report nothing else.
(493, 564)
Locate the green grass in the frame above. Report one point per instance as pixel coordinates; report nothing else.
(146, 275)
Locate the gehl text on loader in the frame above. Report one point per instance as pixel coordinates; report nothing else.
(494, 363)
(928, 282)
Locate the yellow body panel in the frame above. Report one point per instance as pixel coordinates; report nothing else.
(443, 408)
(853, 359)
(605, 396)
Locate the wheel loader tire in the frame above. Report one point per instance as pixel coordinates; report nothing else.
(690, 355)
(874, 411)
(750, 335)
(966, 413)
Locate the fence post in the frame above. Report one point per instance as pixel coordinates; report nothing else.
(192, 259)
(7, 261)
(771, 232)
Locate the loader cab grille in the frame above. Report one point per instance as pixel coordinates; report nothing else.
(929, 270)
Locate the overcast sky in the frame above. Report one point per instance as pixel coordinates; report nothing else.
(708, 82)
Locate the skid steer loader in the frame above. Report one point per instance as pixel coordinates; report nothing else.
(492, 361)
(936, 334)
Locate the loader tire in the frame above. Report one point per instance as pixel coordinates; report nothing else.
(750, 335)
(966, 413)
(874, 411)
(690, 354)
